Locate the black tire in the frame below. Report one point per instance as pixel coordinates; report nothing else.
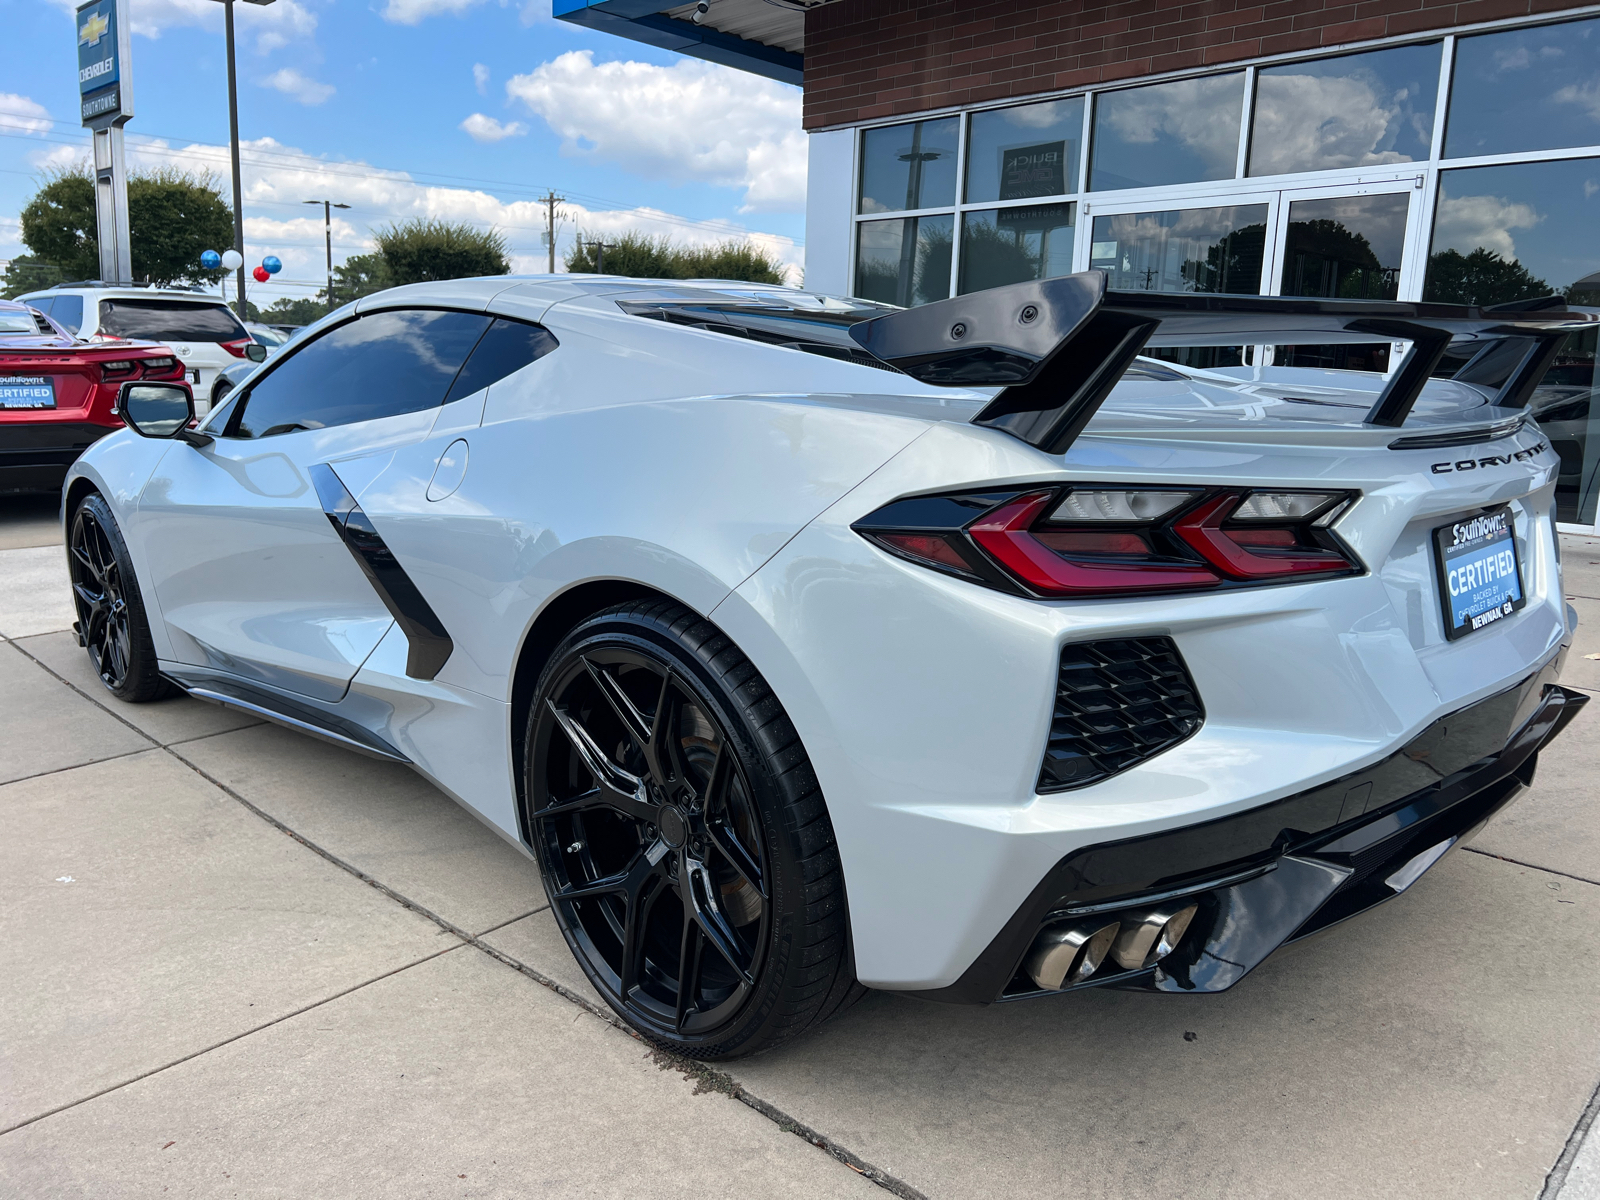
(690, 828)
(111, 615)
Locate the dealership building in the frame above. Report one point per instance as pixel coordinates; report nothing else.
(1399, 149)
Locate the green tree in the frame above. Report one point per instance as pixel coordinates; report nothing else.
(418, 251)
(172, 217)
(1482, 277)
(28, 273)
(357, 276)
(295, 312)
(645, 257)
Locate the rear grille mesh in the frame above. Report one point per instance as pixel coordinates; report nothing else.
(1118, 703)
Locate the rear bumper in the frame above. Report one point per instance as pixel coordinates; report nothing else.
(1283, 871)
(35, 456)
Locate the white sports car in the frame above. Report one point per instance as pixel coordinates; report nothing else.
(812, 646)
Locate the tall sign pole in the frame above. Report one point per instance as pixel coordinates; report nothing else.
(105, 91)
(233, 148)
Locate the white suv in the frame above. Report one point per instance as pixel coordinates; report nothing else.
(204, 332)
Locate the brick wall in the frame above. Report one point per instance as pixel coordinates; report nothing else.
(867, 59)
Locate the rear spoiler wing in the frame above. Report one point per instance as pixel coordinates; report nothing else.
(1058, 346)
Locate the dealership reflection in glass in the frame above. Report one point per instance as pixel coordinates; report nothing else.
(909, 166)
(904, 261)
(1516, 232)
(1357, 110)
(1525, 89)
(1023, 152)
(1183, 250)
(1010, 245)
(1179, 132)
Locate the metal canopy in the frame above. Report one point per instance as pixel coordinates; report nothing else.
(765, 37)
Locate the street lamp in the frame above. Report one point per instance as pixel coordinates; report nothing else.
(327, 228)
(233, 145)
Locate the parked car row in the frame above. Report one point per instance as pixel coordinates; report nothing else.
(66, 351)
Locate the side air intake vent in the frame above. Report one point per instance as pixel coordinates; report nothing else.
(1118, 703)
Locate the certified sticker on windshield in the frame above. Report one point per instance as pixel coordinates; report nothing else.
(1479, 579)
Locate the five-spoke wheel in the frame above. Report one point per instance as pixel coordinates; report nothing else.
(111, 618)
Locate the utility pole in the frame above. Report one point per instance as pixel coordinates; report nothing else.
(327, 230)
(600, 249)
(233, 147)
(550, 200)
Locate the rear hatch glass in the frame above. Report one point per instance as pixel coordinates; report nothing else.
(169, 321)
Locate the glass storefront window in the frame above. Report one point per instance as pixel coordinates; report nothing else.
(1010, 245)
(1358, 110)
(909, 166)
(1183, 250)
(1347, 247)
(1179, 132)
(904, 261)
(1518, 231)
(1525, 89)
(1031, 150)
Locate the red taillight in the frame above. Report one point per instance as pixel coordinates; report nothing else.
(1116, 540)
(1201, 529)
(1006, 534)
(238, 348)
(118, 369)
(165, 367)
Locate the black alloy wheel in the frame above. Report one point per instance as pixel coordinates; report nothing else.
(666, 833)
(111, 617)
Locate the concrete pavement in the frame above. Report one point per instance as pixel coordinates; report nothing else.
(240, 962)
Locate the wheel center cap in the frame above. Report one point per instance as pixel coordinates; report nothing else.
(674, 829)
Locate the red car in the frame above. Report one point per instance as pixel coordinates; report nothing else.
(57, 394)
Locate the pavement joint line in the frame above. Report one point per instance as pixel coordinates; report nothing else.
(720, 1080)
(1557, 1178)
(93, 762)
(60, 1108)
(1532, 866)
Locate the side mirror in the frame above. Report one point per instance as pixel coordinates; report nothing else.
(256, 352)
(159, 410)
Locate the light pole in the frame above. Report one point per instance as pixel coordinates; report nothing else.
(233, 146)
(327, 228)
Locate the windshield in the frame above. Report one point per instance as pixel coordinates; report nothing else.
(169, 321)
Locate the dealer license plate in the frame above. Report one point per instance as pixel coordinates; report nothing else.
(1480, 581)
(27, 391)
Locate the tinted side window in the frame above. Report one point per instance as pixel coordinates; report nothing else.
(68, 312)
(508, 346)
(42, 303)
(165, 320)
(376, 366)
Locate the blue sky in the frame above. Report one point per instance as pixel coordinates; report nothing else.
(464, 109)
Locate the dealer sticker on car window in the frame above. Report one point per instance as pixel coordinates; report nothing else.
(1479, 579)
(27, 391)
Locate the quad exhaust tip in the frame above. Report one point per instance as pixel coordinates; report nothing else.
(1064, 955)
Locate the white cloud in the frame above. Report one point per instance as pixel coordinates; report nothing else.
(278, 179)
(1466, 222)
(1585, 96)
(19, 114)
(1199, 114)
(690, 121)
(271, 26)
(1308, 122)
(414, 12)
(480, 77)
(298, 87)
(486, 129)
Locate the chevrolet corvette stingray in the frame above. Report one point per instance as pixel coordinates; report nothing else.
(809, 646)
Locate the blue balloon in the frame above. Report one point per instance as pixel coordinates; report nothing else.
(210, 260)
(272, 263)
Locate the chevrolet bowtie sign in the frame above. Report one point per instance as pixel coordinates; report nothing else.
(100, 59)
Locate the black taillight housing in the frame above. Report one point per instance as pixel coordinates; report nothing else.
(1083, 540)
